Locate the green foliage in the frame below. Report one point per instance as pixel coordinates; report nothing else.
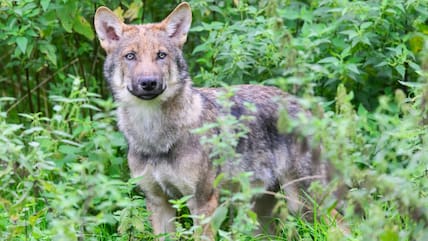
(63, 173)
(62, 177)
(43, 42)
(382, 157)
(369, 46)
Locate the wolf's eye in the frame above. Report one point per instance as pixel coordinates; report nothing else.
(161, 55)
(130, 56)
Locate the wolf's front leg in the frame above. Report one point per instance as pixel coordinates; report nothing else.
(204, 207)
(162, 216)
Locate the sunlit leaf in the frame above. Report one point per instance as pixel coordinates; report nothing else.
(66, 14)
(353, 68)
(218, 217)
(22, 43)
(45, 4)
(82, 26)
(119, 13)
(416, 43)
(133, 10)
(401, 70)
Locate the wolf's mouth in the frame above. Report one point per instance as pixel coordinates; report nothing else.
(146, 95)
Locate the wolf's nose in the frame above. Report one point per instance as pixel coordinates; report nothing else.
(148, 84)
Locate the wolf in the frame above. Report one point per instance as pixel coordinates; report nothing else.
(158, 108)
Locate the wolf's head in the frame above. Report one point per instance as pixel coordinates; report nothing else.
(144, 62)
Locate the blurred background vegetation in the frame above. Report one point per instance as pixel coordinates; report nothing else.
(63, 173)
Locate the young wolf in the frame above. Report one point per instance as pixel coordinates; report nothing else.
(159, 108)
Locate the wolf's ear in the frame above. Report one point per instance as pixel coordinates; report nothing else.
(177, 24)
(108, 27)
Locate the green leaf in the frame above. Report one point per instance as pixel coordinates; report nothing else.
(138, 224)
(133, 10)
(290, 14)
(329, 60)
(119, 13)
(218, 217)
(416, 43)
(50, 51)
(66, 15)
(200, 48)
(45, 4)
(401, 70)
(32, 130)
(66, 23)
(125, 223)
(389, 235)
(82, 26)
(366, 25)
(89, 106)
(218, 179)
(22, 43)
(366, 40)
(351, 33)
(383, 63)
(414, 66)
(412, 84)
(67, 149)
(353, 68)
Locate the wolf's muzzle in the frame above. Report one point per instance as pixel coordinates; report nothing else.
(147, 87)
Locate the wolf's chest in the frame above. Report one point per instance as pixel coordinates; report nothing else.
(170, 180)
(147, 129)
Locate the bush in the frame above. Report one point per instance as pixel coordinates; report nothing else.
(63, 177)
(369, 47)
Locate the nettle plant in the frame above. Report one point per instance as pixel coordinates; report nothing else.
(61, 176)
(311, 47)
(381, 157)
(233, 219)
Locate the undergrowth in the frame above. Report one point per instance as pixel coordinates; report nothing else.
(360, 66)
